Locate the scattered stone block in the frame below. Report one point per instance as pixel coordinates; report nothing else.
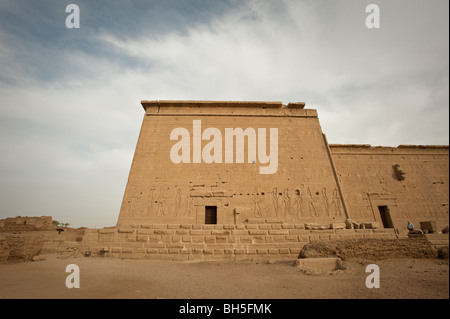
(338, 226)
(428, 227)
(38, 258)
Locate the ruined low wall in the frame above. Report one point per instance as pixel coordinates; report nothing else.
(232, 242)
(388, 248)
(26, 223)
(270, 241)
(24, 245)
(20, 247)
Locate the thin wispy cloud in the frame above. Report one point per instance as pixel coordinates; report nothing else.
(69, 99)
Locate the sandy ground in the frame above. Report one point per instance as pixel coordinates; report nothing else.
(160, 279)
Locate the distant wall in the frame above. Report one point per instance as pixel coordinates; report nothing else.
(26, 223)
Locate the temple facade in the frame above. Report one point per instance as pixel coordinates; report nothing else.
(212, 162)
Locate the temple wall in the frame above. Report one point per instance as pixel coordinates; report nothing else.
(412, 181)
(302, 189)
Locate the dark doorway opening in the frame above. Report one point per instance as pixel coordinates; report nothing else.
(210, 214)
(386, 216)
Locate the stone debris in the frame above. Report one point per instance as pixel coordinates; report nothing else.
(319, 266)
(320, 249)
(38, 258)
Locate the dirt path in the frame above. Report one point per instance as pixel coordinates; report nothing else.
(154, 279)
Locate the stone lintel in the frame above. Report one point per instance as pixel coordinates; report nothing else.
(226, 108)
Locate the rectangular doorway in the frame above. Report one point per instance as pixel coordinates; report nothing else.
(210, 214)
(386, 216)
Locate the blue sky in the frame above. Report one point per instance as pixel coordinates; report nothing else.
(70, 109)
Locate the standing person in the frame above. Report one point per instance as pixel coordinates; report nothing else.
(410, 226)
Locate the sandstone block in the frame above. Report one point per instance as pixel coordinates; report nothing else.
(125, 230)
(315, 226)
(428, 227)
(256, 220)
(200, 232)
(257, 232)
(274, 220)
(279, 232)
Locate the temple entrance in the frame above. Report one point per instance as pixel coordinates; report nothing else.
(210, 214)
(385, 216)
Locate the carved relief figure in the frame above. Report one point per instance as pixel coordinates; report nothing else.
(161, 205)
(311, 204)
(178, 206)
(187, 212)
(336, 204)
(287, 204)
(149, 203)
(132, 200)
(326, 203)
(275, 201)
(257, 208)
(298, 205)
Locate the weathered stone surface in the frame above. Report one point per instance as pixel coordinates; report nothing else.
(4, 250)
(38, 258)
(315, 226)
(416, 234)
(418, 247)
(338, 226)
(318, 266)
(371, 225)
(26, 223)
(320, 249)
(21, 247)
